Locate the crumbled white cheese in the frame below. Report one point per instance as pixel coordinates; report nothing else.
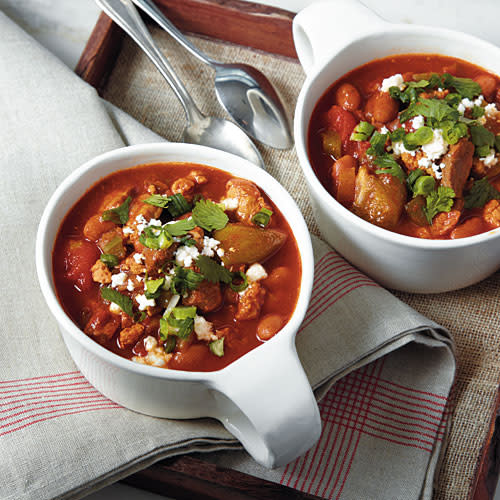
(490, 110)
(138, 257)
(393, 81)
(156, 354)
(128, 230)
(140, 223)
(203, 329)
(398, 149)
(437, 147)
(424, 162)
(220, 252)
(130, 285)
(256, 272)
(144, 302)
(466, 103)
(491, 159)
(230, 203)
(479, 100)
(384, 130)
(185, 255)
(114, 308)
(437, 169)
(118, 279)
(139, 278)
(417, 122)
(150, 343)
(209, 246)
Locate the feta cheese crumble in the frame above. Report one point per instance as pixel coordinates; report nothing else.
(384, 130)
(437, 169)
(398, 149)
(144, 302)
(491, 111)
(141, 223)
(118, 279)
(393, 81)
(185, 255)
(417, 122)
(130, 285)
(128, 230)
(256, 272)
(230, 203)
(437, 147)
(203, 329)
(491, 159)
(156, 354)
(210, 245)
(139, 258)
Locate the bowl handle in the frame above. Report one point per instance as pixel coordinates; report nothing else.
(268, 404)
(323, 28)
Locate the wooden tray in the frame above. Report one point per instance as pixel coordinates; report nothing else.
(270, 30)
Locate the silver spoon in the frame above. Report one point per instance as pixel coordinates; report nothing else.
(200, 129)
(245, 93)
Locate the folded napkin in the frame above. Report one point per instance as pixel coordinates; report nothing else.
(382, 372)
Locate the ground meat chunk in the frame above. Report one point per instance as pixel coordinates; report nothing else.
(250, 200)
(207, 297)
(102, 325)
(186, 185)
(251, 302)
(457, 166)
(197, 234)
(435, 94)
(132, 265)
(491, 213)
(101, 273)
(129, 336)
(156, 187)
(156, 259)
(138, 207)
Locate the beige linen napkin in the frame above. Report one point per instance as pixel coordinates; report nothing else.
(384, 420)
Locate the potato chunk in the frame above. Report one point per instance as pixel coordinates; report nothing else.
(379, 199)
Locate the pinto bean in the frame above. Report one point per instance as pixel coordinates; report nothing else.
(269, 325)
(348, 97)
(381, 108)
(488, 85)
(278, 276)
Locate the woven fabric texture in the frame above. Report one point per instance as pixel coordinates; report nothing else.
(471, 315)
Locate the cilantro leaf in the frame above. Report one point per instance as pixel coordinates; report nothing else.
(412, 178)
(118, 215)
(109, 259)
(153, 288)
(436, 109)
(464, 86)
(212, 271)
(122, 301)
(438, 201)
(388, 165)
(180, 227)
(481, 136)
(178, 205)
(157, 200)
(377, 144)
(481, 193)
(209, 215)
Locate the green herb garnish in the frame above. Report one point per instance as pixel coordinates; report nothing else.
(178, 205)
(453, 131)
(397, 135)
(362, 131)
(436, 110)
(180, 227)
(109, 259)
(169, 343)
(481, 136)
(481, 193)
(243, 285)
(424, 185)
(217, 347)
(440, 200)
(421, 136)
(262, 217)
(464, 86)
(212, 271)
(118, 215)
(388, 165)
(377, 144)
(156, 238)
(157, 200)
(209, 215)
(153, 288)
(122, 301)
(412, 178)
(184, 280)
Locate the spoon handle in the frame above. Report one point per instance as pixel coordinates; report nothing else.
(126, 16)
(156, 14)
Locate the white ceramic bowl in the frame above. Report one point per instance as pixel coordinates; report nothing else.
(332, 38)
(263, 398)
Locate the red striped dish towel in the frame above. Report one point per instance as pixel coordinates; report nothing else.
(382, 372)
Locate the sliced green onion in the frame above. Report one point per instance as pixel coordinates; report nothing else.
(109, 259)
(424, 185)
(181, 328)
(240, 286)
(184, 312)
(262, 218)
(153, 288)
(156, 237)
(362, 131)
(170, 343)
(113, 246)
(217, 347)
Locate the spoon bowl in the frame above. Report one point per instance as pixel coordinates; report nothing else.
(200, 129)
(244, 92)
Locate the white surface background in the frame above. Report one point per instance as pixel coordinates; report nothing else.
(63, 26)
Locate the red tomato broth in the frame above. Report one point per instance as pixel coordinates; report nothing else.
(79, 304)
(367, 79)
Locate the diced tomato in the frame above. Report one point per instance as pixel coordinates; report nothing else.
(79, 257)
(342, 121)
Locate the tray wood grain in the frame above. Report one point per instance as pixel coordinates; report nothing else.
(270, 30)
